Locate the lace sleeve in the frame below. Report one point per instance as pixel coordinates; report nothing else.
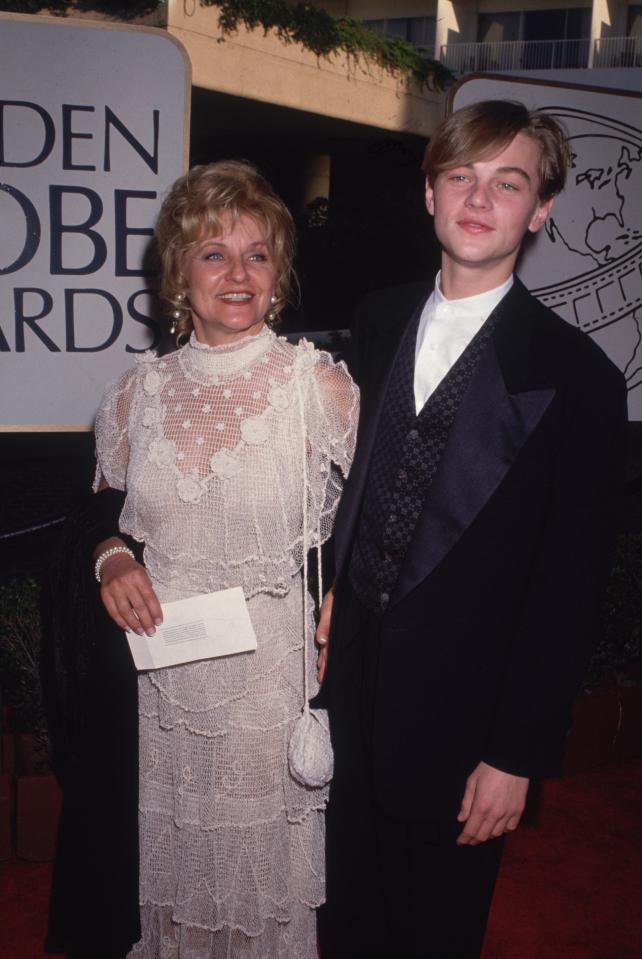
(332, 412)
(336, 397)
(111, 430)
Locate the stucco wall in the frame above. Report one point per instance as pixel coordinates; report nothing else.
(262, 67)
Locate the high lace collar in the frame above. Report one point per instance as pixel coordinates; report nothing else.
(213, 364)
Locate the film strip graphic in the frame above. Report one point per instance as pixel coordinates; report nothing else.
(597, 299)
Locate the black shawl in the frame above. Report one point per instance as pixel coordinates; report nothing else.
(91, 696)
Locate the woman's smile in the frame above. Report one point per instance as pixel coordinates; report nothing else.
(230, 280)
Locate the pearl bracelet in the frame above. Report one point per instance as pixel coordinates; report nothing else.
(112, 551)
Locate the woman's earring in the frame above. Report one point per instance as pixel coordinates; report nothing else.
(176, 315)
(271, 314)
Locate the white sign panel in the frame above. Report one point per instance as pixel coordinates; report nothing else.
(93, 123)
(587, 264)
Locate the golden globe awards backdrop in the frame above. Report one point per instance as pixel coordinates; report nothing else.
(93, 130)
(587, 263)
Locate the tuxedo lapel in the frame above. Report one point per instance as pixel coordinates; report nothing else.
(501, 408)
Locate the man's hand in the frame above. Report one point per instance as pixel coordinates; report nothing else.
(492, 805)
(323, 632)
(127, 593)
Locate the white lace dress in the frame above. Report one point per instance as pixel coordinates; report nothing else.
(208, 444)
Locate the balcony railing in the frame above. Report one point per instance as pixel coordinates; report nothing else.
(618, 52)
(542, 54)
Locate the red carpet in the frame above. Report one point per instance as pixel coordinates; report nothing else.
(570, 885)
(24, 897)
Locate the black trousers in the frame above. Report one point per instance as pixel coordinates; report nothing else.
(395, 889)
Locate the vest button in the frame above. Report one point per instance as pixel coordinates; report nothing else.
(384, 599)
(402, 476)
(413, 435)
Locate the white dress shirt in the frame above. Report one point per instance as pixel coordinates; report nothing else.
(446, 327)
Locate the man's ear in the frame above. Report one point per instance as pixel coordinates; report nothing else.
(430, 198)
(540, 215)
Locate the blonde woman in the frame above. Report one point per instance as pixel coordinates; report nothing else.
(221, 448)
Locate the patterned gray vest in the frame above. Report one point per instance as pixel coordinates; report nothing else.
(406, 454)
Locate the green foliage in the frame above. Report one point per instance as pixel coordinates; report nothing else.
(325, 35)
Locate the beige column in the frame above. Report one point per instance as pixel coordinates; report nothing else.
(456, 23)
(608, 19)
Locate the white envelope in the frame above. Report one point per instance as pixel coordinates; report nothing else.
(202, 627)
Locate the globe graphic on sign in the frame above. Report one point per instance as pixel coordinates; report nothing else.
(591, 253)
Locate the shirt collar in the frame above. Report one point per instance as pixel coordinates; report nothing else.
(469, 309)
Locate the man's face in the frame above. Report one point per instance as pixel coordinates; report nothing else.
(483, 210)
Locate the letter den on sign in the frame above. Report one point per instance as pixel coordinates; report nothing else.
(28, 136)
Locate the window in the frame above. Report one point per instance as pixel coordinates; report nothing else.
(540, 39)
(420, 31)
(498, 27)
(635, 20)
(565, 24)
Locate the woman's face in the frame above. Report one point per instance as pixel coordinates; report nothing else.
(230, 280)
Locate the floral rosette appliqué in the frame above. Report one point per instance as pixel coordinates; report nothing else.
(225, 464)
(190, 488)
(254, 430)
(278, 397)
(152, 382)
(306, 357)
(151, 416)
(162, 452)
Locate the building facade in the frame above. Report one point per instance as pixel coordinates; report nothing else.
(473, 35)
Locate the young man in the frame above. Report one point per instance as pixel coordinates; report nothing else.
(472, 545)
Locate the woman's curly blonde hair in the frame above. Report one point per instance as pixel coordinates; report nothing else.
(196, 207)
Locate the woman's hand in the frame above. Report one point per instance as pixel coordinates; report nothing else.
(323, 632)
(127, 593)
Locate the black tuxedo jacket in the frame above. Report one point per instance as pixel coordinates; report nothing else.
(491, 622)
